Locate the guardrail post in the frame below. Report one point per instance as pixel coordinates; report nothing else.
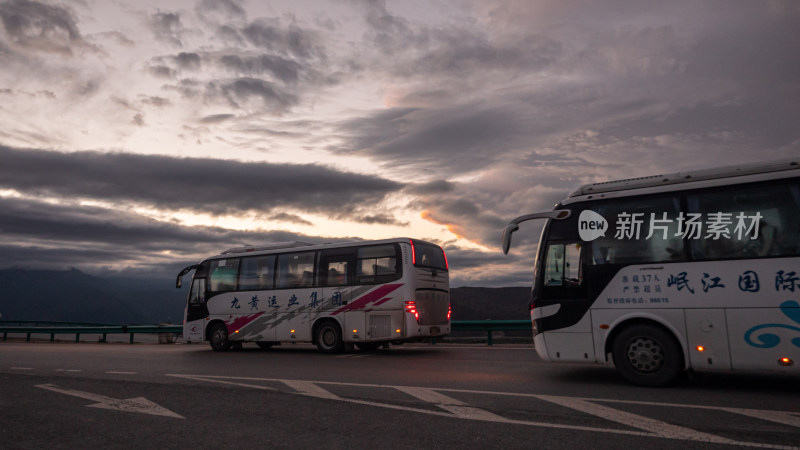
(104, 337)
(52, 337)
(131, 341)
(28, 339)
(489, 336)
(77, 337)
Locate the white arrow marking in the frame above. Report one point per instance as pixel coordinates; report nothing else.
(137, 405)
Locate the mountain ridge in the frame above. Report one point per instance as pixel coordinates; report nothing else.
(75, 296)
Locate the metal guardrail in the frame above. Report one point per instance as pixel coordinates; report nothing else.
(54, 328)
(78, 329)
(490, 326)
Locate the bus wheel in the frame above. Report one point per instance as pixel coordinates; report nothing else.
(647, 356)
(218, 338)
(329, 338)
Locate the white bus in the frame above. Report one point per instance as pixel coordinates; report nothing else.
(336, 296)
(697, 270)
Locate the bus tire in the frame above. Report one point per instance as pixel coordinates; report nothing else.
(218, 338)
(265, 345)
(329, 337)
(647, 355)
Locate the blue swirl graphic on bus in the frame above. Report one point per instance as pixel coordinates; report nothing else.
(789, 308)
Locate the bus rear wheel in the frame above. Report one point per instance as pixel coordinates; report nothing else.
(218, 338)
(647, 355)
(329, 338)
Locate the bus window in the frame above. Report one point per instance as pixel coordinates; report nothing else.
(296, 270)
(563, 265)
(377, 264)
(757, 222)
(337, 266)
(642, 230)
(223, 274)
(257, 273)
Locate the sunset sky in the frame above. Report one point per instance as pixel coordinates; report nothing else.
(142, 136)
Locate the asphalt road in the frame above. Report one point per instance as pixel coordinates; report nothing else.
(91, 395)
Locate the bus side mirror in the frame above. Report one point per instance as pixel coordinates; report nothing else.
(507, 231)
(179, 282)
(558, 214)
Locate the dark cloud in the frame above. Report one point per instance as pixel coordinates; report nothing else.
(283, 69)
(432, 187)
(166, 27)
(41, 234)
(292, 40)
(217, 118)
(439, 140)
(206, 185)
(40, 27)
(156, 101)
(292, 218)
(188, 60)
(240, 92)
(227, 9)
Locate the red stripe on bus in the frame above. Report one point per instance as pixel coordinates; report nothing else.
(370, 297)
(240, 322)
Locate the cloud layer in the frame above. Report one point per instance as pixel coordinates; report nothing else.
(440, 120)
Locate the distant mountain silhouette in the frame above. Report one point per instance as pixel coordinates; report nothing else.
(74, 296)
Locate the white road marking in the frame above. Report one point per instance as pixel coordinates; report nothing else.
(137, 405)
(22, 368)
(457, 409)
(772, 416)
(115, 372)
(309, 388)
(782, 417)
(657, 427)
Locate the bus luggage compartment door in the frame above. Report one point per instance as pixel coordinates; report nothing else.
(707, 336)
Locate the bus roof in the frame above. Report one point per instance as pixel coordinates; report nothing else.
(728, 175)
(279, 247)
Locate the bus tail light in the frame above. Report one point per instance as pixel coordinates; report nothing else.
(446, 265)
(411, 308)
(785, 361)
(449, 311)
(413, 254)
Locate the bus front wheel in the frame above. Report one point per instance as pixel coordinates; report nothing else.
(218, 338)
(647, 355)
(329, 338)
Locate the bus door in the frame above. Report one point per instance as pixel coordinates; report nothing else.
(196, 311)
(337, 273)
(561, 305)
